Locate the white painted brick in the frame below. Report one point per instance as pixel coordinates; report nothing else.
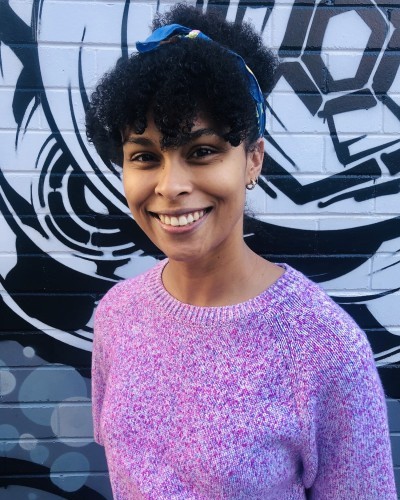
(362, 146)
(390, 122)
(66, 21)
(295, 222)
(60, 65)
(331, 163)
(12, 160)
(360, 120)
(348, 206)
(343, 65)
(255, 16)
(386, 310)
(29, 145)
(7, 120)
(307, 151)
(106, 58)
(356, 280)
(139, 21)
(23, 10)
(391, 246)
(21, 182)
(8, 240)
(11, 66)
(389, 204)
(283, 205)
(8, 261)
(295, 117)
(345, 222)
(346, 30)
(59, 103)
(279, 19)
(167, 4)
(386, 270)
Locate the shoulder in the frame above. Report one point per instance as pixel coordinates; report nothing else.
(329, 359)
(122, 304)
(318, 331)
(310, 308)
(123, 295)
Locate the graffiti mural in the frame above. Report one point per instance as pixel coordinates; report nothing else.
(326, 202)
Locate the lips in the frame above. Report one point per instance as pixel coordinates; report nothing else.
(182, 219)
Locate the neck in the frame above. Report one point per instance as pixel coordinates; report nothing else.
(222, 280)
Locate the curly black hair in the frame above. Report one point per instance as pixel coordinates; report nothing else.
(178, 81)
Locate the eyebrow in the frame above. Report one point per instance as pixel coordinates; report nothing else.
(144, 141)
(141, 141)
(202, 131)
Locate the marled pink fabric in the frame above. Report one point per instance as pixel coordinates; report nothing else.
(259, 400)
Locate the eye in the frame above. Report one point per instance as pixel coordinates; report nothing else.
(144, 160)
(143, 157)
(202, 152)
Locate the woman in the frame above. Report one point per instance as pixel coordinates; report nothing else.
(218, 374)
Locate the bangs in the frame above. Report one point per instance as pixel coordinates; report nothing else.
(189, 87)
(176, 83)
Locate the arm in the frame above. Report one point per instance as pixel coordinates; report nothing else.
(343, 435)
(351, 436)
(98, 380)
(344, 438)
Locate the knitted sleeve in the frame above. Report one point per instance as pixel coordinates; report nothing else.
(98, 373)
(107, 324)
(351, 437)
(342, 410)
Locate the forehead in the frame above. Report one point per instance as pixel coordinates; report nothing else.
(202, 126)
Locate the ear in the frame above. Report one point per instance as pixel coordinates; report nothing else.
(255, 157)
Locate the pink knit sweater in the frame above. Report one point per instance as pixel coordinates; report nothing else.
(274, 398)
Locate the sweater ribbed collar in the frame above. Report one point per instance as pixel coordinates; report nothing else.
(268, 301)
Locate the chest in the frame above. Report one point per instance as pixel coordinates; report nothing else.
(217, 414)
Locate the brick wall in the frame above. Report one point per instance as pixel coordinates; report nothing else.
(327, 203)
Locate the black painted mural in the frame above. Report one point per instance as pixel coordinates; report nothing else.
(327, 201)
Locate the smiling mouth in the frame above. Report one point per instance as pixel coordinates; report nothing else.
(181, 220)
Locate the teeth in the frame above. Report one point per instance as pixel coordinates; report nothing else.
(181, 220)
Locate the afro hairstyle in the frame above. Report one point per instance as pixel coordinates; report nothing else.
(178, 81)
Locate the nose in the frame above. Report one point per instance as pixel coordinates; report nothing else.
(173, 178)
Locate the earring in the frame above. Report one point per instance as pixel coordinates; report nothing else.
(252, 184)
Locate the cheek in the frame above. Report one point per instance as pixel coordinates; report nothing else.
(129, 192)
(230, 189)
(134, 190)
(228, 179)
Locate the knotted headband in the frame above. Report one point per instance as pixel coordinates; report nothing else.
(168, 33)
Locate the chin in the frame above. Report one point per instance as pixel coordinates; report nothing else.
(182, 256)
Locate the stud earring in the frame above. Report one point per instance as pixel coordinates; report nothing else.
(252, 184)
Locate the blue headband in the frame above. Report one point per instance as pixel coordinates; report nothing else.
(166, 33)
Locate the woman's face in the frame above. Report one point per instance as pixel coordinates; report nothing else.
(189, 200)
